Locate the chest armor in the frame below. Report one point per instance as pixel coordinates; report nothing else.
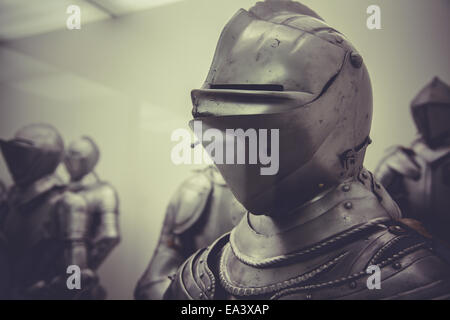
(31, 230)
(100, 197)
(324, 252)
(428, 197)
(92, 194)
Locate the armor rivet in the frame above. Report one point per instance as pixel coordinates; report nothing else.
(352, 285)
(200, 295)
(308, 296)
(346, 188)
(397, 265)
(348, 205)
(356, 60)
(275, 43)
(209, 288)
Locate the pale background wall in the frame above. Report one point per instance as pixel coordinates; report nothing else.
(126, 82)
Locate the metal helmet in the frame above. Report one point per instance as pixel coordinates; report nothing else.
(34, 152)
(431, 113)
(81, 157)
(280, 66)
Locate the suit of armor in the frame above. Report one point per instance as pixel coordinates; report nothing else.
(102, 203)
(202, 209)
(101, 199)
(317, 227)
(418, 177)
(45, 225)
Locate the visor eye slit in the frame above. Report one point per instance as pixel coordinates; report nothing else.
(21, 142)
(253, 87)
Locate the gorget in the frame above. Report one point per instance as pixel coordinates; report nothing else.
(347, 206)
(266, 255)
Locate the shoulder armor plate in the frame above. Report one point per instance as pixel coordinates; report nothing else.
(195, 279)
(189, 201)
(102, 197)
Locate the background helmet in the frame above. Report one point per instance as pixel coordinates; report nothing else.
(81, 157)
(431, 113)
(34, 152)
(280, 66)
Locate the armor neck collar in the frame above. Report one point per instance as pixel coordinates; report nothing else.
(22, 197)
(259, 239)
(85, 182)
(421, 148)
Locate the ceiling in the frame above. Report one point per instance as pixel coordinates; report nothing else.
(24, 18)
(26, 74)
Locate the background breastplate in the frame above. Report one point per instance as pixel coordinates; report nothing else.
(428, 197)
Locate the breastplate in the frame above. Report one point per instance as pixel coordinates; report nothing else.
(428, 197)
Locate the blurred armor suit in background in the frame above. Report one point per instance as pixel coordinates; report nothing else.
(313, 228)
(102, 203)
(3, 200)
(46, 225)
(418, 177)
(5, 271)
(202, 209)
